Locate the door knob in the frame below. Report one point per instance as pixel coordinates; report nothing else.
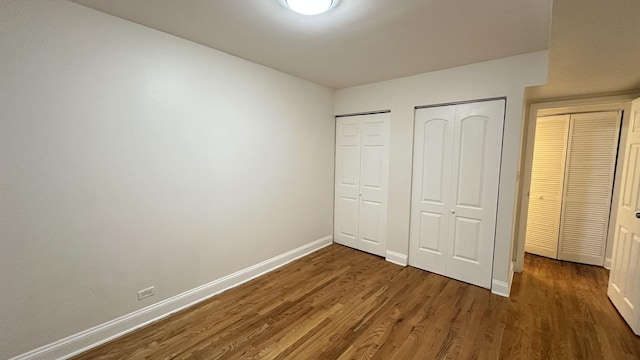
(638, 215)
(452, 211)
(360, 194)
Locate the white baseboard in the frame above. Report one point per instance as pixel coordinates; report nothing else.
(502, 288)
(607, 263)
(396, 258)
(85, 340)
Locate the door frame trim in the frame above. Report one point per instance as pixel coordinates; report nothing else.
(364, 113)
(462, 102)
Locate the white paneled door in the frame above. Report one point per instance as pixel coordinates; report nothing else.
(624, 281)
(431, 203)
(362, 163)
(456, 170)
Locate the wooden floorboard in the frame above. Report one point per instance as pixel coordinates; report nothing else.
(339, 303)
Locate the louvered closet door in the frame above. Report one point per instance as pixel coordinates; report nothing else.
(591, 161)
(547, 183)
(361, 177)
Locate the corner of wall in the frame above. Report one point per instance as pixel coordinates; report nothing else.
(502, 288)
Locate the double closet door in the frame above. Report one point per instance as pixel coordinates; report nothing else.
(362, 171)
(574, 161)
(456, 171)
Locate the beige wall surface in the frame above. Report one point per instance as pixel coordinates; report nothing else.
(504, 77)
(130, 158)
(594, 50)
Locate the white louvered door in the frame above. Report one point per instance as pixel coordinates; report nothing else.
(547, 184)
(588, 188)
(362, 163)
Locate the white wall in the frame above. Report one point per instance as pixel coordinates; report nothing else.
(131, 158)
(504, 77)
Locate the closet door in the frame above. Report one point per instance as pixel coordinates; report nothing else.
(547, 184)
(591, 161)
(374, 170)
(477, 151)
(430, 215)
(624, 282)
(457, 152)
(362, 163)
(347, 180)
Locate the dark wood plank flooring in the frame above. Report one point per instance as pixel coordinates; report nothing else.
(339, 303)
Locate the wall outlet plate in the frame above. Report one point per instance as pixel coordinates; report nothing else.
(145, 293)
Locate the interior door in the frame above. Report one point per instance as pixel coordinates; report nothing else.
(477, 152)
(591, 163)
(624, 281)
(374, 170)
(457, 153)
(547, 184)
(362, 167)
(430, 204)
(347, 181)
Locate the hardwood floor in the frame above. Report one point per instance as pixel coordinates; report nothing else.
(339, 303)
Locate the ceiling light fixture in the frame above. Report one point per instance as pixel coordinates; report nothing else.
(310, 7)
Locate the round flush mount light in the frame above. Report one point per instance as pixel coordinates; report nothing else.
(310, 7)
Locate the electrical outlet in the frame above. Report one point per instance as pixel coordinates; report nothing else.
(145, 293)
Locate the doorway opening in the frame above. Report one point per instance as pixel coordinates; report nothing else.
(580, 196)
(571, 179)
(572, 185)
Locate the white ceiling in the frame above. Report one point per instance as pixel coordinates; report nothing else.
(359, 41)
